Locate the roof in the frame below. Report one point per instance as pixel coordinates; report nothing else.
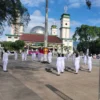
(11, 35)
(65, 16)
(39, 38)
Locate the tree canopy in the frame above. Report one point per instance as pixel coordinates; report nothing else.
(89, 37)
(88, 3)
(10, 10)
(86, 33)
(17, 45)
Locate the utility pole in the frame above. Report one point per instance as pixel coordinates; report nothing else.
(46, 25)
(46, 32)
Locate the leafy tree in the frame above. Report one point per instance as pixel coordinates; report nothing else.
(19, 44)
(88, 3)
(7, 45)
(86, 33)
(94, 46)
(10, 10)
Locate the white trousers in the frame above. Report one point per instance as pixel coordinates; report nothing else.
(39, 56)
(77, 66)
(33, 57)
(59, 68)
(49, 59)
(25, 58)
(85, 62)
(16, 57)
(5, 65)
(62, 66)
(22, 57)
(89, 66)
(42, 55)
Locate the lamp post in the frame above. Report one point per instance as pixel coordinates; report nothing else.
(46, 32)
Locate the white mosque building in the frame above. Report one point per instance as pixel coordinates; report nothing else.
(36, 36)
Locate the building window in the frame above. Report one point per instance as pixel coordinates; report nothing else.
(9, 36)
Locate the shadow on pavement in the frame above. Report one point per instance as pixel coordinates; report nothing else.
(50, 71)
(25, 68)
(59, 93)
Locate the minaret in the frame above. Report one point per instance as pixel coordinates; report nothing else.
(18, 27)
(53, 30)
(65, 31)
(65, 26)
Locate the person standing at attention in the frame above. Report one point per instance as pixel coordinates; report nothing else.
(85, 59)
(58, 64)
(63, 63)
(50, 57)
(16, 55)
(23, 55)
(77, 63)
(90, 62)
(5, 60)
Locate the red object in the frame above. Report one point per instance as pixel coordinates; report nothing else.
(39, 38)
(30, 52)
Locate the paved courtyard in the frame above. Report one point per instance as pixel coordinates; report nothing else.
(30, 81)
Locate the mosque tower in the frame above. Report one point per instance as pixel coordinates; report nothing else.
(65, 31)
(17, 28)
(65, 27)
(53, 30)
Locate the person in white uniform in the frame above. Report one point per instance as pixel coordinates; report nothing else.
(33, 55)
(77, 63)
(50, 57)
(58, 65)
(85, 59)
(67, 56)
(63, 63)
(5, 60)
(23, 55)
(90, 63)
(73, 58)
(16, 55)
(39, 54)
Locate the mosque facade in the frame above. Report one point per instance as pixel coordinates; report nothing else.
(35, 38)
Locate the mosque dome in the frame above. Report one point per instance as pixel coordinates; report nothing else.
(37, 30)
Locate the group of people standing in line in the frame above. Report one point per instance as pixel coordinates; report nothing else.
(5, 55)
(60, 62)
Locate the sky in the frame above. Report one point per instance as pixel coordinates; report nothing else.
(79, 14)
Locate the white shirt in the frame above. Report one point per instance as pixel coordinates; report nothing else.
(89, 59)
(58, 63)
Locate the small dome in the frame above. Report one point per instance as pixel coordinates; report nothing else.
(37, 30)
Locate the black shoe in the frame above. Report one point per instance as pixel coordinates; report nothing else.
(6, 71)
(75, 73)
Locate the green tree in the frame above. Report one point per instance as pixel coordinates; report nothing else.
(86, 33)
(19, 44)
(7, 45)
(88, 3)
(10, 10)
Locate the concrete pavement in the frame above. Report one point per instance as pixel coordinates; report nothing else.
(29, 81)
